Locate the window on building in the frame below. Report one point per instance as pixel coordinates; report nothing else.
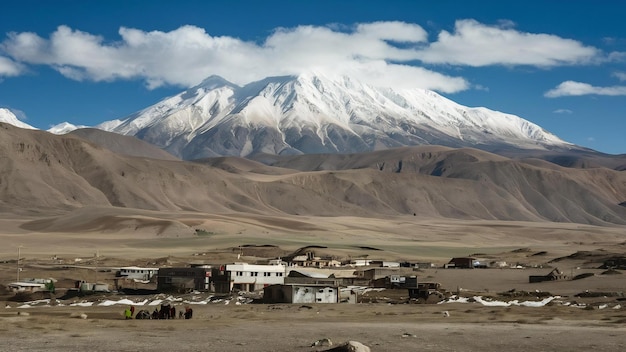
(239, 273)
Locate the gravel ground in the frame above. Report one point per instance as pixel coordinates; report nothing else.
(382, 327)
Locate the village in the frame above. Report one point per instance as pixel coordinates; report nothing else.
(302, 277)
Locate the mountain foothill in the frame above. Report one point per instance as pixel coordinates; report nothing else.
(55, 180)
(282, 149)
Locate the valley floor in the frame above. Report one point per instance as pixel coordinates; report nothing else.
(383, 326)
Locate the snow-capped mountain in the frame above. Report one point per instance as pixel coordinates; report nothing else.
(64, 127)
(317, 114)
(9, 117)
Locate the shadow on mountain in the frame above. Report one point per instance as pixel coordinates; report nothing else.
(69, 183)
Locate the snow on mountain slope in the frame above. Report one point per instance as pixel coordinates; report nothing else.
(313, 113)
(9, 117)
(64, 127)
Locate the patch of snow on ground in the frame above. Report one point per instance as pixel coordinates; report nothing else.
(121, 301)
(196, 302)
(491, 303)
(44, 302)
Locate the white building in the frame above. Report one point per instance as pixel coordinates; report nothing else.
(31, 285)
(137, 273)
(253, 277)
(301, 293)
(26, 287)
(361, 262)
(386, 264)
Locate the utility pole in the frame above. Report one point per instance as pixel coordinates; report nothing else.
(18, 263)
(96, 263)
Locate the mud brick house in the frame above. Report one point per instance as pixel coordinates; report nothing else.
(554, 275)
(183, 279)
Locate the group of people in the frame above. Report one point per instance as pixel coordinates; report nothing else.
(166, 312)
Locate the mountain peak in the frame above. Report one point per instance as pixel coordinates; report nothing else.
(9, 117)
(214, 82)
(320, 113)
(64, 127)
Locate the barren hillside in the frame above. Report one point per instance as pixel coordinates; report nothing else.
(47, 174)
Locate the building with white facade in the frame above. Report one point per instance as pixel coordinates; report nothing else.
(299, 293)
(137, 273)
(32, 285)
(26, 287)
(254, 277)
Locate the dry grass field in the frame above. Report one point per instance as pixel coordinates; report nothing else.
(293, 328)
(383, 326)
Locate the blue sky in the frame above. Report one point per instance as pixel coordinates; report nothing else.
(559, 64)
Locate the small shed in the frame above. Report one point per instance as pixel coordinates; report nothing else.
(137, 273)
(461, 263)
(26, 287)
(428, 291)
(554, 275)
(183, 279)
(93, 287)
(294, 293)
(32, 285)
(378, 273)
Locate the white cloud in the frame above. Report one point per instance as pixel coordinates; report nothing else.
(381, 53)
(480, 87)
(620, 75)
(9, 68)
(563, 111)
(476, 44)
(396, 31)
(616, 56)
(571, 88)
(188, 54)
(505, 24)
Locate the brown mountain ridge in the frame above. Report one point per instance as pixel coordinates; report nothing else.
(48, 175)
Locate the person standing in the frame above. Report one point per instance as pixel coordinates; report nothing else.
(127, 313)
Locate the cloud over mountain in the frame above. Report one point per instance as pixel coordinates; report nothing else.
(476, 44)
(389, 53)
(571, 88)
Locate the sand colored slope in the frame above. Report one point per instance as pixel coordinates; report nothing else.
(47, 174)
